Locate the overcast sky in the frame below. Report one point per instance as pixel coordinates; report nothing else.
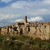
(14, 10)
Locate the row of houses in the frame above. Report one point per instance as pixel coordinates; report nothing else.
(33, 29)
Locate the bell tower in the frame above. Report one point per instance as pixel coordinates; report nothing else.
(25, 19)
(25, 25)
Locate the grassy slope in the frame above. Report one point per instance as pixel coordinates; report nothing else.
(23, 43)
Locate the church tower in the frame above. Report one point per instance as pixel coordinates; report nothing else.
(25, 25)
(25, 20)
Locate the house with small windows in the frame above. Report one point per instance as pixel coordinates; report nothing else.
(33, 29)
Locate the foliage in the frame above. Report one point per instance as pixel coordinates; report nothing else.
(21, 42)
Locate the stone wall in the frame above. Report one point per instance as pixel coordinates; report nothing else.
(34, 29)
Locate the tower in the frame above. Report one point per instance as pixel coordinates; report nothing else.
(25, 20)
(25, 25)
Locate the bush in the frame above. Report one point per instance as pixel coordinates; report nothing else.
(23, 43)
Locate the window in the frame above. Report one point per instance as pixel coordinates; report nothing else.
(45, 26)
(15, 28)
(28, 29)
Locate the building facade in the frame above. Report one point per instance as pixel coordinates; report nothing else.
(33, 29)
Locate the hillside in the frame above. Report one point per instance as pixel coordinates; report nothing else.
(23, 43)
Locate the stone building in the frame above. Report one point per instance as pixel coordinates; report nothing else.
(33, 29)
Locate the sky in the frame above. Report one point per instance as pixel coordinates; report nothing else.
(12, 11)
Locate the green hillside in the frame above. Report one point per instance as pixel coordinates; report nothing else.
(22, 42)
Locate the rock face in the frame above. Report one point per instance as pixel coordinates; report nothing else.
(34, 29)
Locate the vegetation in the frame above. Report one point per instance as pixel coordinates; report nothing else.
(23, 43)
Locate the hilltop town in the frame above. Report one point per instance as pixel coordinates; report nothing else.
(33, 29)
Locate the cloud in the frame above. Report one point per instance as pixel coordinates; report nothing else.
(20, 4)
(35, 10)
(6, 1)
(39, 12)
(32, 8)
(46, 1)
(8, 16)
(38, 18)
(32, 19)
(19, 20)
